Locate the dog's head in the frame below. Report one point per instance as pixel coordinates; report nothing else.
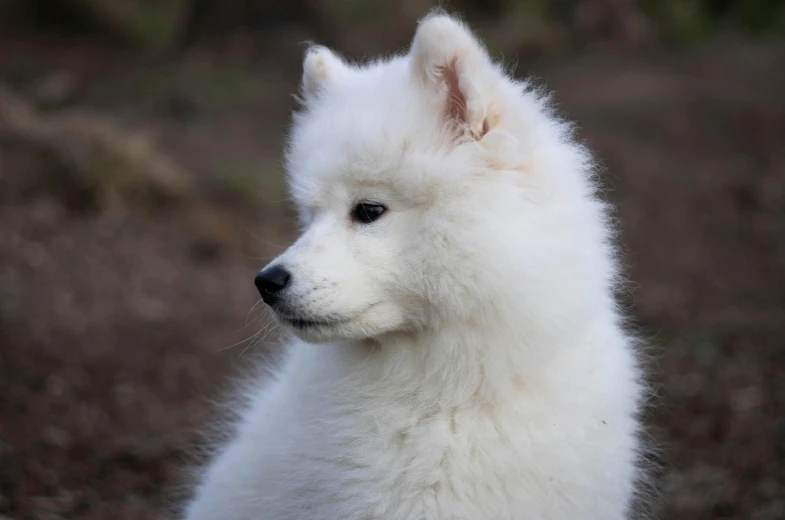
(430, 187)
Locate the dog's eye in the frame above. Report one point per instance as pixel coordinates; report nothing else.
(367, 212)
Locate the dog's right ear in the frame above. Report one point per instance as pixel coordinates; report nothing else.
(447, 59)
(321, 68)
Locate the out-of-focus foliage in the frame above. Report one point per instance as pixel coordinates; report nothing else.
(514, 26)
(693, 20)
(94, 165)
(90, 158)
(145, 24)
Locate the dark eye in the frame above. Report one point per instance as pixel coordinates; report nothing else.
(367, 212)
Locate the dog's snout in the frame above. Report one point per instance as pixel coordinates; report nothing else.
(271, 282)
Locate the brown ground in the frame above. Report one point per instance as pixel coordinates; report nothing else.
(113, 327)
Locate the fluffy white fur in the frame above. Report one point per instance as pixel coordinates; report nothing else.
(472, 363)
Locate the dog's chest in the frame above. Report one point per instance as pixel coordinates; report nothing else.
(431, 465)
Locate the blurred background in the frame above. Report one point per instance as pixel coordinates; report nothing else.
(141, 188)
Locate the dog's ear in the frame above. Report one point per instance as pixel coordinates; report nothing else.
(321, 68)
(447, 58)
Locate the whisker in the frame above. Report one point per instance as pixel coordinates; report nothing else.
(262, 240)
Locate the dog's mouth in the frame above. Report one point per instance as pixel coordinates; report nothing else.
(308, 322)
(298, 322)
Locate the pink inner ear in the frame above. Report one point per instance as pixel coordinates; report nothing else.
(456, 101)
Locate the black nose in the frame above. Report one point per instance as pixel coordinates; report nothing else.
(271, 282)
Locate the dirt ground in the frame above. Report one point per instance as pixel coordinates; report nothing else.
(116, 333)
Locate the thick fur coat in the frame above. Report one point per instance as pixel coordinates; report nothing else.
(459, 354)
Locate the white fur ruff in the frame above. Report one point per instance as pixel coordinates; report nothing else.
(465, 358)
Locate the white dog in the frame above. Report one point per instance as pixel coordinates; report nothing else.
(460, 354)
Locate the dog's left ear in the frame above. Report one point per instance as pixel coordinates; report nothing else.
(447, 58)
(321, 68)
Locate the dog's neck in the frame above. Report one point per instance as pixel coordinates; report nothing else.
(458, 366)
